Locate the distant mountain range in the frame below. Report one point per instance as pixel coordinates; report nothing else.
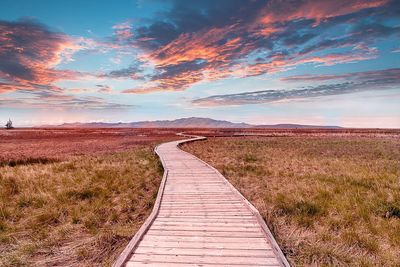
(192, 122)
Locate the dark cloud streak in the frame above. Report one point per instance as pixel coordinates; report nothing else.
(53, 100)
(355, 82)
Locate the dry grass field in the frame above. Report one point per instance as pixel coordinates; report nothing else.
(330, 199)
(74, 197)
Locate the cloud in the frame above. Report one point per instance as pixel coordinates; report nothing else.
(203, 41)
(104, 89)
(79, 90)
(53, 100)
(134, 71)
(318, 11)
(358, 37)
(282, 63)
(388, 75)
(354, 82)
(173, 77)
(29, 52)
(208, 40)
(123, 31)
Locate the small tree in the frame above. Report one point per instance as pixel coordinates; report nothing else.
(9, 124)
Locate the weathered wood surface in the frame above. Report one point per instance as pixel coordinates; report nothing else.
(200, 219)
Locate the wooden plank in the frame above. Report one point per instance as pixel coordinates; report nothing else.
(175, 264)
(199, 197)
(196, 204)
(260, 241)
(202, 206)
(205, 201)
(186, 227)
(199, 244)
(226, 225)
(208, 220)
(205, 251)
(200, 211)
(205, 208)
(204, 233)
(209, 204)
(204, 259)
(225, 211)
(216, 216)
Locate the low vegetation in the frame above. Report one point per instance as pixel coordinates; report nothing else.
(330, 201)
(20, 146)
(77, 208)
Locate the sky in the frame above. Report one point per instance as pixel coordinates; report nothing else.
(331, 62)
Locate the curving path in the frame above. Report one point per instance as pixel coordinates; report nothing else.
(200, 219)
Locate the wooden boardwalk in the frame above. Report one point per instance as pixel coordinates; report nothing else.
(200, 219)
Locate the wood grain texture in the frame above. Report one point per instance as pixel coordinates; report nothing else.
(200, 219)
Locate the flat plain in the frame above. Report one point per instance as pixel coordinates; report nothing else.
(77, 196)
(331, 198)
(74, 197)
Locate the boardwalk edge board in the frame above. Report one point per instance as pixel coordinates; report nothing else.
(126, 253)
(134, 242)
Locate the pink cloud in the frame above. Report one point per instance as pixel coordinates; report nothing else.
(280, 11)
(123, 31)
(29, 54)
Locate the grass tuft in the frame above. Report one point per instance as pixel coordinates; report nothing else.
(392, 211)
(27, 161)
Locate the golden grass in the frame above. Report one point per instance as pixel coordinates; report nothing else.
(80, 211)
(330, 201)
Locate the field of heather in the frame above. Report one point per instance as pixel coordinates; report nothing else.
(74, 197)
(329, 199)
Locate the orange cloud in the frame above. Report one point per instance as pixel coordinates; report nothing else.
(29, 53)
(279, 11)
(191, 46)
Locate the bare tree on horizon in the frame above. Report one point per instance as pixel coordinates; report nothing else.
(9, 124)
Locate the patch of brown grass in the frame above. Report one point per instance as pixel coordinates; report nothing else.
(330, 201)
(30, 145)
(80, 210)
